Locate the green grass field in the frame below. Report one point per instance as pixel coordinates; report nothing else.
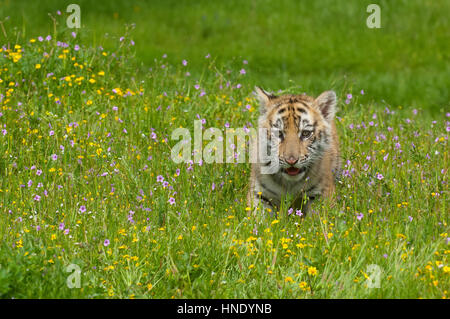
(85, 142)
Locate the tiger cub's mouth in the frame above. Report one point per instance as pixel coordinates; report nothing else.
(292, 171)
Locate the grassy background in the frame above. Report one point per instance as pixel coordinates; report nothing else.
(80, 166)
(313, 45)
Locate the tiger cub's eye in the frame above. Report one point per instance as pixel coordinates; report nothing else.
(306, 134)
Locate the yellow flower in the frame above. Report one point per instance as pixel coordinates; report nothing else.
(251, 266)
(303, 285)
(149, 286)
(288, 279)
(312, 271)
(38, 66)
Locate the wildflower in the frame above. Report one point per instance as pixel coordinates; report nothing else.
(54, 157)
(38, 66)
(37, 198)
(360, 216)
(185, 62)
(171, 200)
(379, 176)
(159, 178)
(242, 71)
(312, 271)
(106, 242)
(82, 208)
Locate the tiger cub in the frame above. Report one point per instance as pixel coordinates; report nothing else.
(308, 158)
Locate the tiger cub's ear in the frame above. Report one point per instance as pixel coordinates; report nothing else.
(326, 102)
(264, 98)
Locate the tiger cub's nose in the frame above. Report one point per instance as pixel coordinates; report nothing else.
(292, 160)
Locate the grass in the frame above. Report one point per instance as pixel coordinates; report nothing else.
(311, 44)
(80, 165)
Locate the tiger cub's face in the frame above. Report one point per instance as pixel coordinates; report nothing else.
(301, 126)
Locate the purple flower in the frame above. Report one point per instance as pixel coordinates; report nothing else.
(362, 92)
(159, 178)
(171, 200)
(74, 35)
(82, 208)
(208, 56)
(51, 133)
(37, 198)
(106, 242)
(197, 86)
(184, 62)
(349, 96)
(76, 47)
(61, 226)
(48, 38)
(54, 157)
(360, 216)
(380, 177)
(242, 71)
(38, 172)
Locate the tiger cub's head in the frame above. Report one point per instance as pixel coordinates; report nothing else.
(301, 127)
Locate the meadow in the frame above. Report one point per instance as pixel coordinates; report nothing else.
(86, 175)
